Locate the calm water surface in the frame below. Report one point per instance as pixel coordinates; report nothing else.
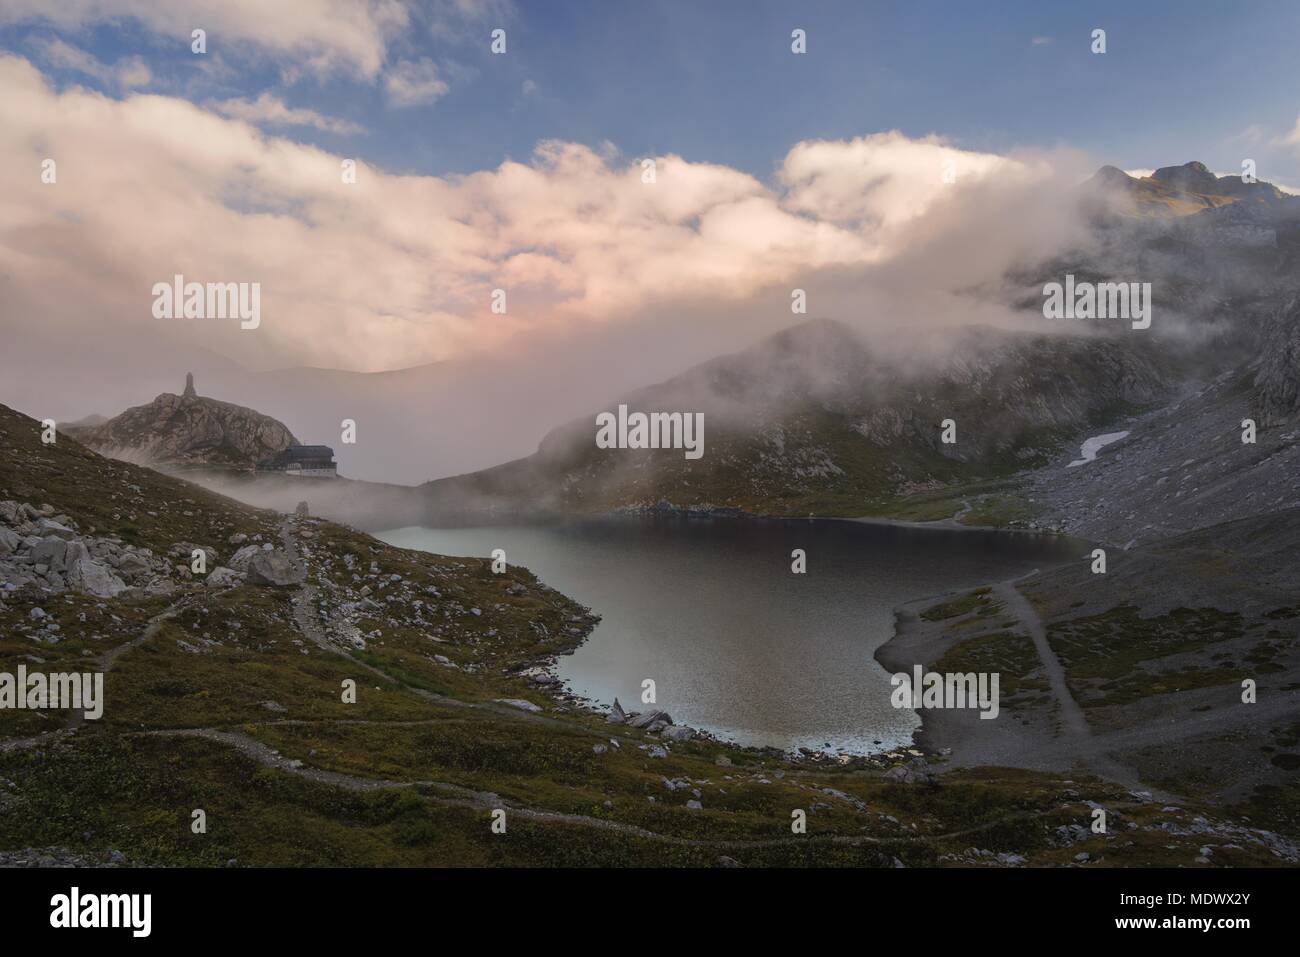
(735, 642)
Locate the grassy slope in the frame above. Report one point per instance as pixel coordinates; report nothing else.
(424, 741)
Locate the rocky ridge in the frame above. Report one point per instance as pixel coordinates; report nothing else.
(188, 430)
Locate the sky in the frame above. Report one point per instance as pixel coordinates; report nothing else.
(420, 91)
(501, 205)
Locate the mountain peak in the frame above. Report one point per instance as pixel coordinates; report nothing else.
(1176, 191)
(1194, 177)
(189, 429)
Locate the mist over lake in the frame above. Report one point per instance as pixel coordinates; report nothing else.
(737, 643)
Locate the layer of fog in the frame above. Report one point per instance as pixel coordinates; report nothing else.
(479, 410)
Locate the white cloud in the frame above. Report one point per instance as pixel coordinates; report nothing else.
(1291, 138)
(128, 73)
(270, 110)
(414, 83)
(884, 179)
(398, 269)
(459, 20)
(1040, 41)
(325, 35)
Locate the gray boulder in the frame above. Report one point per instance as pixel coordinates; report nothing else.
(132, 564)
(222, 577)
(519, 703)
(649, 718)
(239, 561)
(49, 551)
(47, 527)
(915, 771)
(93, 578)
(273, 569)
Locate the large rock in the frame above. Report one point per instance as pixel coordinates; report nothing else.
(915, 771)
(519, 703)
(239, 561)
(9, 541)
(47, 528)
(91, 577)
(223, 577)
(649, 718)
(132, 564)
(274, 569)
(49, 551)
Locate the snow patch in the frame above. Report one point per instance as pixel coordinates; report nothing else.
(1092, 446)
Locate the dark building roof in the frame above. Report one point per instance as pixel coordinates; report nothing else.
(319, 455)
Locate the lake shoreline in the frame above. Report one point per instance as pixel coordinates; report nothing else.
(858, 573)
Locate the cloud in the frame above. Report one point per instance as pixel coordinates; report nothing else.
(882, 180)
(128, 73)
(414, 83)
(270, 110)
(459, 20)
(395, 270)
(1291, 138)
(324, 35)
(1040, 41)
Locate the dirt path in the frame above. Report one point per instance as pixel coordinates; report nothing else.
(1078, 740)
(103, 663)
(462, 797)
(1072, 719)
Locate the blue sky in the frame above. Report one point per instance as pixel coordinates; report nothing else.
(716, 81)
